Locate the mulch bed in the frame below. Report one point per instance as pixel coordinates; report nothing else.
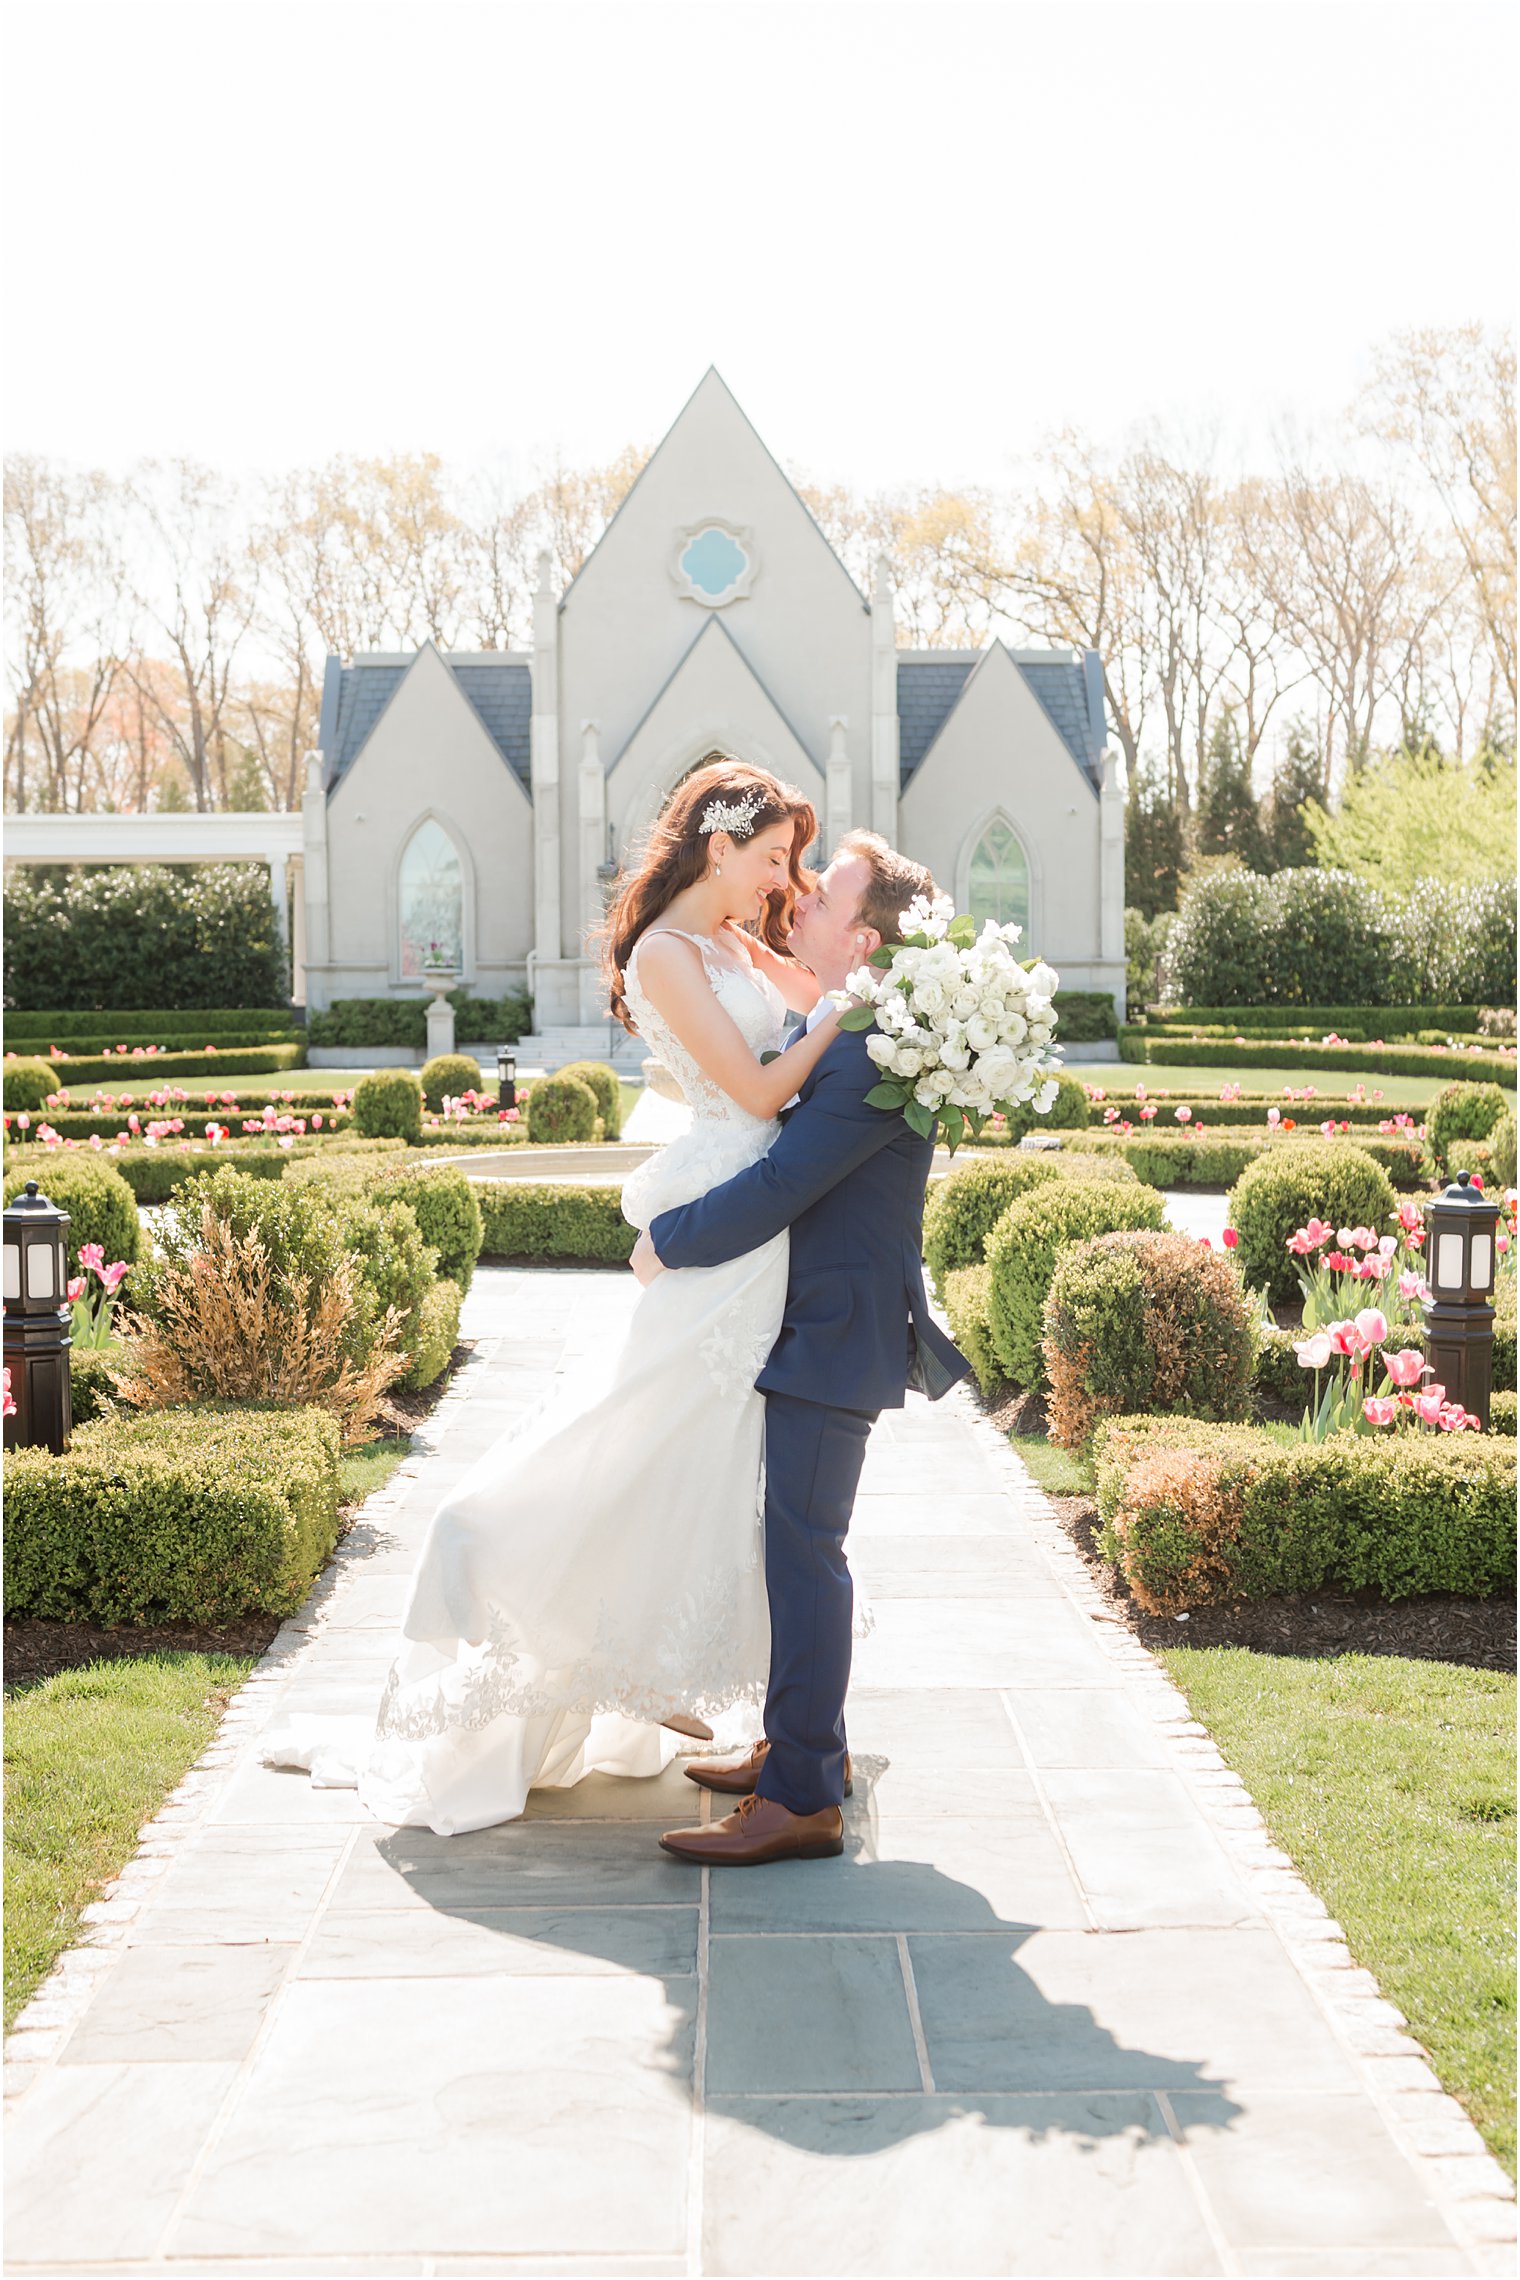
(1479, 1633)
(36, 1648)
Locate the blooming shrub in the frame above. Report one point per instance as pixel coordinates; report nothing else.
(1024, 1247)
(561, 1110)
(1284, 1189)
(1138, 1321)
(388, 1105)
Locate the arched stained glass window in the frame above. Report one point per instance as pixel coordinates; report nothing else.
(431, 900)
(999, 877)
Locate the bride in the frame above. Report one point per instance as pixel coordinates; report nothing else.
(594, 1585)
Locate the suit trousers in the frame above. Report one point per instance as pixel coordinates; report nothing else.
(813, 1456)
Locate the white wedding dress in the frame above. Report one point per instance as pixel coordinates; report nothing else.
(601, 1566)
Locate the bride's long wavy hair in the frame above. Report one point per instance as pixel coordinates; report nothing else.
(674, 856)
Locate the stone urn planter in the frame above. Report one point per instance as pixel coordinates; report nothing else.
(440, 978)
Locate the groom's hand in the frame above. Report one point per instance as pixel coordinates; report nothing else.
(646, 1262)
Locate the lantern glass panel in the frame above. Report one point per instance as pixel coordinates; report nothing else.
(41, 1278)
(1448, 1275)
(1482, 1262)
(13, 1270)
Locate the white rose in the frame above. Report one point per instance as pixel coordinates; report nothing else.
(955, 1053)
(1044, 978)
(929, 998)
(980, 1033)
(1041, 1032)
(925, 1094)
(907, 1062)
(963, 1004)
(882, 1050)
(1013, 1029)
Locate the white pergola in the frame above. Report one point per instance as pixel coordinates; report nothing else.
(175, 838)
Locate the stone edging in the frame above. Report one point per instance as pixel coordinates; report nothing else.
(1462, 2178)
(45, 2022)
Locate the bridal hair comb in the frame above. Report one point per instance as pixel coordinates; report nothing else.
(736, 817)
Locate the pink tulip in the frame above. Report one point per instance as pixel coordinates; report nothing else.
(76, 1288)
(1183, 1115)
(1411, 1286)
(1345, 1237)
(1313, 1353)
(1345, 1338)
(1387, 1245)
(1373, 1325)
(1380, 1412)
(1299, 1244)
(7, 1401)
(1230, 1238)
(1318, 1231)
(1428, 1405)
(1147, 1113)
(91, 1255)
(112, 1274)
(1406, 1367)
(1274, 1116)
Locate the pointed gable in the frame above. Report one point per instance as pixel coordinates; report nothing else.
(713, 698)
(1051, 691)
(355, 697)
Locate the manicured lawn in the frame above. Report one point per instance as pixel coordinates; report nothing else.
(1060, 1472)
(1123, 1076)
(361, 1471)
(1391, 1784)
(89, 1756)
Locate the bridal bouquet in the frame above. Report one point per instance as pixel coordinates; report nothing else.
(963, 1028)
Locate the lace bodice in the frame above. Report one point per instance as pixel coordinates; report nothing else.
(723, 1137)
(751, 998)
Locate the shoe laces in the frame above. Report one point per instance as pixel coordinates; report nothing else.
(749, 1805)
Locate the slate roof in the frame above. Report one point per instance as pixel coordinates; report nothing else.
(354, 697)
(929, 688)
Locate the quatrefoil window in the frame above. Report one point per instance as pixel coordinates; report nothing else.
(714, 563)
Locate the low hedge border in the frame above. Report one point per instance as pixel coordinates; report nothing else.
(1209, 1515)
(1219, 1156)
(357, 1022)
(1144, 1046)
(154, 1173)
(528, 1220)
(1390, 1021)
(237, 1020)
(102, 1039)
(236, 1061)
(192, 1515)
(1085, 1017)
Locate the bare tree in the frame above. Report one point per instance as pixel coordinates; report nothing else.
(197, 592)
(61, 538)
(1447, 396)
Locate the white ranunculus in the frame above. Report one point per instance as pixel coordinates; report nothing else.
(1044, 978)
(963, 1004)
(980, 1033)
(1041, 1032)
(1013, 1029)
(955, 1053)
(929, 999)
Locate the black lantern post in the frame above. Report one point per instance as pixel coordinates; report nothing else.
(1460, 1257)
(506, 1077)
(38, 1323)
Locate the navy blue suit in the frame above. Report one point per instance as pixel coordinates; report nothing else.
(849, 1181)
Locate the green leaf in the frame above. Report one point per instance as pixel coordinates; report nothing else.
(886, 1096)
(955, 1126)
(962, 931)
(859, 1017)
(881, 957)
(921, 1118)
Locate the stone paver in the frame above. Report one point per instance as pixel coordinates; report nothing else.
(1061, 2009)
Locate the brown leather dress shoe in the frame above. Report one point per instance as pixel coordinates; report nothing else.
(757, 1831)
(738, 1780)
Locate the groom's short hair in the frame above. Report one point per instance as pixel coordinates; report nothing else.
(894, 882)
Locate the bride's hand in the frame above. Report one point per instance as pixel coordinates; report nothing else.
(746, 941)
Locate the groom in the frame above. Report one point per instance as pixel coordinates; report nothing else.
(849, 1181)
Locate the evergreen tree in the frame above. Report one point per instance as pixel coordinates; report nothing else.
(1229, 820)
(1296, 784)
(1155, 844)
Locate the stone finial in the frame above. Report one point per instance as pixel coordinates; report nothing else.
(881, 582)
(838, 723)
(314, 771)
(545, 586)
(591, 754)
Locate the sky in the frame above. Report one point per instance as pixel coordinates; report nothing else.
(915, 236)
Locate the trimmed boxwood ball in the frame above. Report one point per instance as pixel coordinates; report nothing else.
(965, 1297)
(1144, 1322)
(1331, 1179)
(451, 1073)
(101, 1206)
(962, 1209)
(1502, 1142)
(28, 1084)
(1024, 1247)
(388, 1105)
(561, 1110)
(1462, 1112)
(602, 1079)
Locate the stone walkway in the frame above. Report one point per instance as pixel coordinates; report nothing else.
(1061, 2009)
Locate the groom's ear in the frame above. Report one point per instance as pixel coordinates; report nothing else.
(864, 940)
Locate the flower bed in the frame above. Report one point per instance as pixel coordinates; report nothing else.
(144, 1061)
(1390, 1021)
(120, 1036)
(1217, 1156)
(197, 1514)
(1200, 1515)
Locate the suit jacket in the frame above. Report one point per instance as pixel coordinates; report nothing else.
(849, 1181)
